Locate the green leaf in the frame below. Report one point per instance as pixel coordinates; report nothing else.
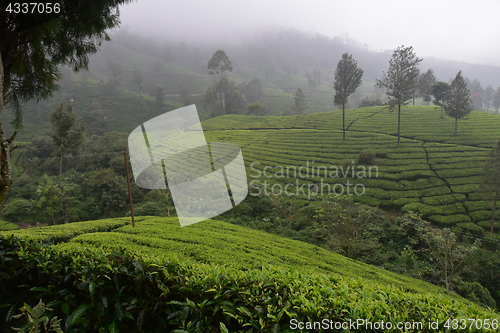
(119, 312)
(92, 289)
(78, 313)
(223, 327)
(113, 328)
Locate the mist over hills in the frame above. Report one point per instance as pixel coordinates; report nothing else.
(296, 53)
(123, 79)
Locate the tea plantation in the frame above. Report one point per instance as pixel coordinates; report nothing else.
(212, 276)
(433, 172)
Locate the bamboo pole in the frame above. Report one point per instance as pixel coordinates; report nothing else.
(129, 189)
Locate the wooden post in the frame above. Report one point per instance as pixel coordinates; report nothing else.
(129, 190)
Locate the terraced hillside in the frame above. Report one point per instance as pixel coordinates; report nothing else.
(433, 172)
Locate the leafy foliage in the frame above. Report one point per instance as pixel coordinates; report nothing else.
(106, 288)
(219, 64)
(347, 80)
(457, 102)
(401, 79)
(300, 103)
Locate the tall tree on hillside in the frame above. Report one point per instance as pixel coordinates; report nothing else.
(299, 102)
(490, 184)
(347, 80)
(457, 102)
(439, 90)
(425, 83)
(401, 79)
(68, 137)
(33, 45)
(218, 65)
(447, 253)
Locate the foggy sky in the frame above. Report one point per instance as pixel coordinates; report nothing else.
(449, 29)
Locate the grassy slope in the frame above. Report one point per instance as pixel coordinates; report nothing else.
(433, 172)
(220, 243)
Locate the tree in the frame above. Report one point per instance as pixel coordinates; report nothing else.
(425, 83)
(34, 45)
(401, 79)
(256, 109)
(439, 90)
(446, 253)
(48, 199)
(490, 184)
(348, 228)
(457, 102)
(300, 102)
(138, 79)
(115, 68)
(224, 98)
(347, 80)
(219, 64)
(67, 137)
(252, 90)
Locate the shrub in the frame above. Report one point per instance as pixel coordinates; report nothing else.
(474, 292)
(18, 210)
(448, 220)
(93, 290)
(471, 228)
(367, 157)
(4, 225)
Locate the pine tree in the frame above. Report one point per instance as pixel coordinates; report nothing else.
(401, 79)
(347, 80)
(457, 102)
(300, 102)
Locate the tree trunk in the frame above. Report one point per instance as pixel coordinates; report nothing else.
(399, 124)
(343, 121)
(63, 194)
(456, 125)
(5, 151)
(223, 101)
(493, 209)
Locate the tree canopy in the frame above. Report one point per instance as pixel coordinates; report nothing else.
(347, 80)
(219, 64)
(401, 79)
(33, 45)
(457, 102)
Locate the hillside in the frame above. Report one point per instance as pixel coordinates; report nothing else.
(306, 282)
(433, 172)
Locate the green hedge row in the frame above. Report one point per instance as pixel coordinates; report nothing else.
(6, 225)
(64, 232)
